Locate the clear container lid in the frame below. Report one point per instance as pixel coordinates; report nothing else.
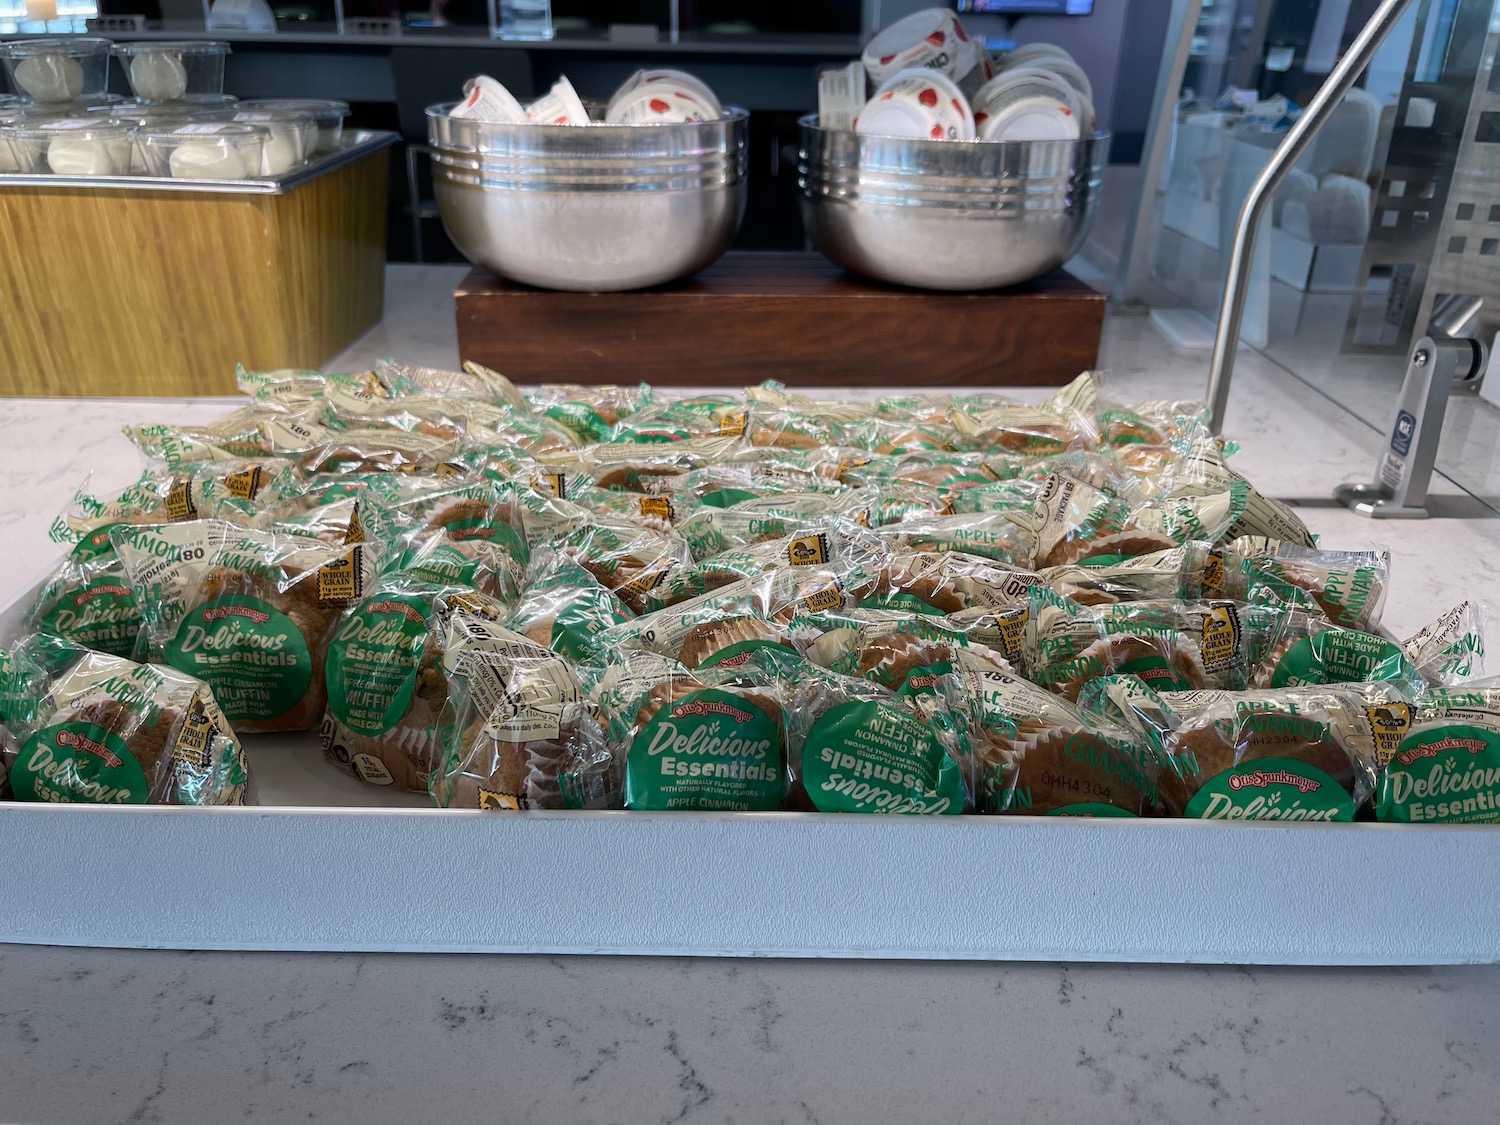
(230, 131)
(173, 46)
(72, 46)
(87, 128)
(319, 108)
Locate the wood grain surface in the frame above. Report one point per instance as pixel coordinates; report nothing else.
(789, 316)
(107, 292)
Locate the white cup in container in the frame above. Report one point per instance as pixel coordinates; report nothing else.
(74, 146)
(931, 38)
(658, 103)
(678, 79)
(1026, 109)
(918, 103)
(57, 70)
(328, 114)
(560, 105)
(1082, 104)
(487, 100)
(1034, 53)
(216, 150)
(1065, 68)
(290, 137)
(166, 71)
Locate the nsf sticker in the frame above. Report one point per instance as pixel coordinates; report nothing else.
(1402, 432)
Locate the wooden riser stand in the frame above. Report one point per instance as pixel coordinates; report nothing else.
(789, 316)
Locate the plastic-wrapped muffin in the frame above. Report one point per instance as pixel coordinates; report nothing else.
(250, 611)
(98, 729)
(1282, 754)
(517, 733)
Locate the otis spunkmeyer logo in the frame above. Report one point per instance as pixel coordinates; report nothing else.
(249, 613)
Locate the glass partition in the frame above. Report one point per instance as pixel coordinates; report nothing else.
(1394, 209)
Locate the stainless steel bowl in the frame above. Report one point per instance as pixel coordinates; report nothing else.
(947, 214)
(591, 209)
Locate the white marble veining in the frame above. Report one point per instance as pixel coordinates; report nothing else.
(139, 1036)
(120, 1036)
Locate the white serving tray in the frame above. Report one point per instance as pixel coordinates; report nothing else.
(329, 863)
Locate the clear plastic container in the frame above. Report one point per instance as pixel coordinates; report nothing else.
(57, 70)
(328, 114)
(292, 137)
(168, 71)
(162, 118)
(204, 150)
(70, 146)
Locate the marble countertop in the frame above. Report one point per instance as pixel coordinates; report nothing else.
(152, 1036)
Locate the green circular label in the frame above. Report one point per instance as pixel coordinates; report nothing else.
(869, 756)
(252, 655)
(78, 762)
(95, 543)
(1338, 656)
(1446, 772)
(1089, 808)
(732, 656)
(708, 750)
(1272, 789)
(373, 660)
(100, 615)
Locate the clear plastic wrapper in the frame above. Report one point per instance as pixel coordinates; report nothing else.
(92, 728)
(712, 531)
(564, 607)
(386, 689)
(711, 739)
(1036, 754)
(1171, 645)
(1293, 754)
(1446, 769)
(628, 560)
(1177, 572)
(262, 429)
(88, 600)
(383, 451)
(1347, 587)
(887, 647)
(832, 542)
(251, 612)
(1304, 649)
(1450, 650)
(856, 747)
(517, 732)
(1201, 471)
(1085, 524)
(942, 582)
(591, 413)
(1006, 537)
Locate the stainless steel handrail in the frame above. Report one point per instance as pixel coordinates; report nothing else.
(1298, 137)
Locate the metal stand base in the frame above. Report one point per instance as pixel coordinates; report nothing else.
(1374, 501)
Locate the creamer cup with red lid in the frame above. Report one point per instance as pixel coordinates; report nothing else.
(659, 104)
(918, 102)
(560, 105)
(931, 38)
(487, 100)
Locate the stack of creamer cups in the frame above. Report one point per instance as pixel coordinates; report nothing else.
(179, 124)
(933, 81)
(648, 97)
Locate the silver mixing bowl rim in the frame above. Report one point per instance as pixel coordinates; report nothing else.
(732, 115)
(810, 122)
